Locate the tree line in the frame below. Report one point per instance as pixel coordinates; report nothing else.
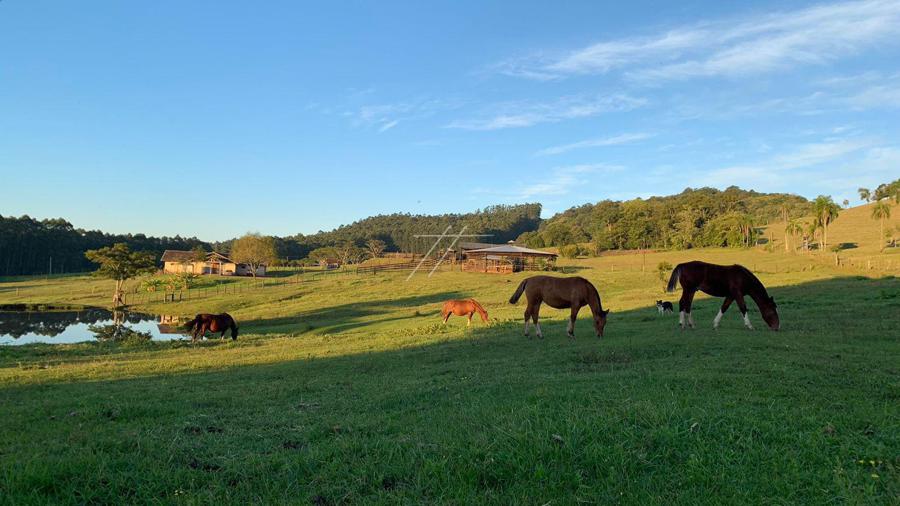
(694, 218)
(30, 246)
(396, 233)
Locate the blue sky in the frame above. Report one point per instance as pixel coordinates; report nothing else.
(217, 118)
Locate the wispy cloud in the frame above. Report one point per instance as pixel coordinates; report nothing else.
(525, 114)
(387, 126)
(594, 143)
(557, 181)
(733, 47)
(384, 117)
(795, 165)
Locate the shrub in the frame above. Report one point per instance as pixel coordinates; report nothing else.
(569, 251)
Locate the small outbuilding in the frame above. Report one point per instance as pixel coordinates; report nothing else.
(507, 258)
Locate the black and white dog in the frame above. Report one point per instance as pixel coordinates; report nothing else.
(664, 307)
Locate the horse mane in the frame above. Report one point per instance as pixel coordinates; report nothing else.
(754, 285)
(593, 289)
(481, 311)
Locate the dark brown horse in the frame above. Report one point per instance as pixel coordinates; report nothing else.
(729, 281)
(560, 293)
(203, 323)
(467, 307)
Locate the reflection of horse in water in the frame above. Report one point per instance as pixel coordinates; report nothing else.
(467, 307)
(203, 323)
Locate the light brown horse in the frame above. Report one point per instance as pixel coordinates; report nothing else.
(203, 323)
(560, 293)
(729, 281)
(467, 307)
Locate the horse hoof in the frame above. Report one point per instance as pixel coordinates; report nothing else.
(571, 336)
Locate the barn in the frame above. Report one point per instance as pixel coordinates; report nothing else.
(178, 261)
(507, 258)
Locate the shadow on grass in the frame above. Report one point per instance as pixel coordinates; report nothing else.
(344, 317)
(472, 414)
(809, 307)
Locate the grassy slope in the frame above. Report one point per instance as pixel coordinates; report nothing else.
(374, 401)
(853, 226)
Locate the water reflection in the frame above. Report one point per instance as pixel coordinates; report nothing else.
(63, 327)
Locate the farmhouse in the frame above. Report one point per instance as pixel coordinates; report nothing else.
(507, 259)
(177, 262)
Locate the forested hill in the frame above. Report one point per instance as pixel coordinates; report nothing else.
(28, 246)
(693, 218)
(502, 222)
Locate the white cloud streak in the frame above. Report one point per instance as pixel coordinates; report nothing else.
(728, 48)
(525, 114)
(594, 143)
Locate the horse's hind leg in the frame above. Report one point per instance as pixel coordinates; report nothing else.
(527, 318)
(684, 307)
(469, 321)
(743, 307)
(534, 318)
(722, 310)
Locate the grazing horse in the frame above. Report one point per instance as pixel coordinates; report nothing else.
(467, 307)
(203, 323)
(560, 293)
(729, 281)
(664, 306)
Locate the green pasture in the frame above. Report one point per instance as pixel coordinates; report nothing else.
(346, 389)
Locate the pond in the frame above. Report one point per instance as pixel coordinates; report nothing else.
(66, 327)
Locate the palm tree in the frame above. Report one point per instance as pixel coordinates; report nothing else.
(826, 212)
(864, 194)
(787, 224)
(881, 211)
(809, 233)
(793, 227)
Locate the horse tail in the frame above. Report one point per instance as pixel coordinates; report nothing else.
(515, 296)
(480, 309)
(232, 325)
(673, 279)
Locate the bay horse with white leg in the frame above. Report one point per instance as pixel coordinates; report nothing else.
(467, 307)
(560, 293)
(203, 323)
(730, 281)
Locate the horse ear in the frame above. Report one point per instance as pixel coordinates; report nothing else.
(606, 312)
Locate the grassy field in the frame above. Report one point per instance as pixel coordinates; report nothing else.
(346, 389)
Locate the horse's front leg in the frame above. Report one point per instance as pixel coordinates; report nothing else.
(684, 307)
(743, 307)
(728, 301)
(469, 320)
(574, 316)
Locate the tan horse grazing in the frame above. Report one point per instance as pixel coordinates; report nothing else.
(560, 293)
(729, 281)
(203, 323)
(467, 307)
